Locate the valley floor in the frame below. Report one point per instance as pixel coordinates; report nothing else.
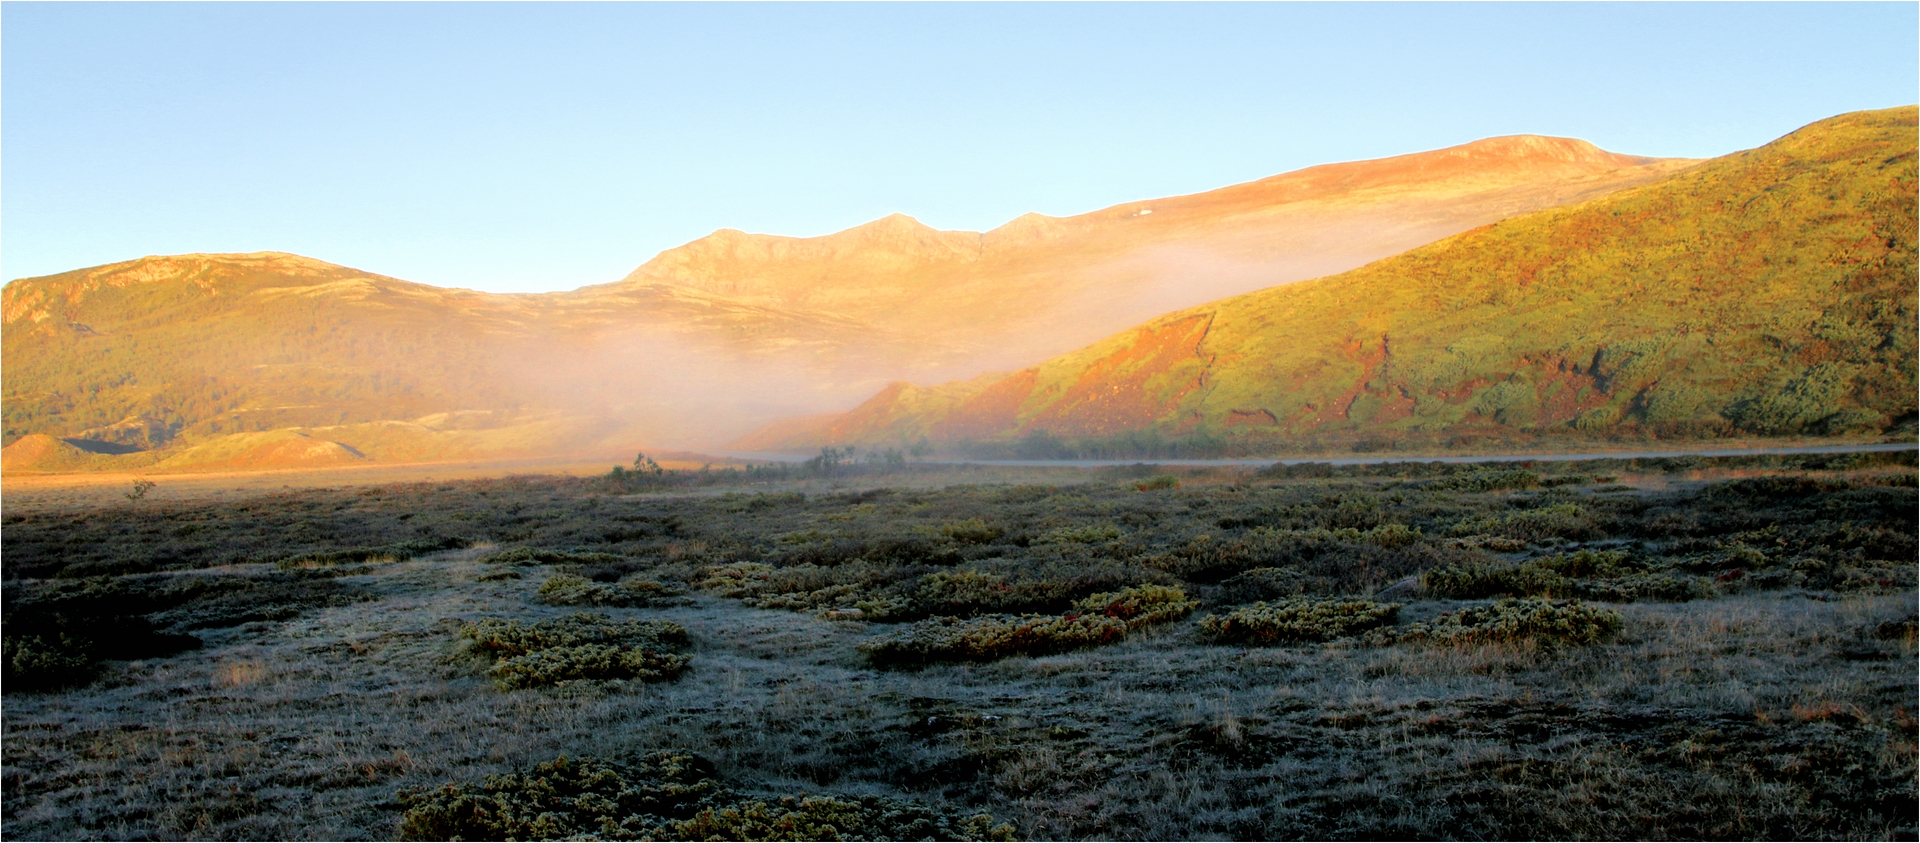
(1759, 683)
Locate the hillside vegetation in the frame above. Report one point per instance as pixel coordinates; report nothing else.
(1768, 292)
(714, 338)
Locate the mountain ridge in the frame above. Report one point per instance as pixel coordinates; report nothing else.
(1381, 351)
(214, 345)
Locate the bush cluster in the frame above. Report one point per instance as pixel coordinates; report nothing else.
(399, 551)
(576, 590)
(544, 556)
(664, 796)
(1539, 621)
(1098, 619)
(578, 646)
(1487, 481)
(1595, 575)
(972, 531)
(1298, 620)
(1565, 520)
(1257, 584)
(1155, 484)
(1079, 534)
(55, 633)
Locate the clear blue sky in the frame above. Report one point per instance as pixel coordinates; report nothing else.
(523, 147)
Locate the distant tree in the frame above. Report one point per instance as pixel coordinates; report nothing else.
(828, 462)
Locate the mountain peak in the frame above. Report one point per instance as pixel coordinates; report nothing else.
(1541, 148)
(732, 262)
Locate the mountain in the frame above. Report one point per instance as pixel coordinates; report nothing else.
(1770, 292)
(709, 340)
(1040, 285)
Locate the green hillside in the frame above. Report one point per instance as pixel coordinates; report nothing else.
(1769, 292)
(198, 346)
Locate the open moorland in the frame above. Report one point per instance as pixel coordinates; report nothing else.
(1625, 648)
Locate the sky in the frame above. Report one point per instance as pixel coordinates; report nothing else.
(531, 147)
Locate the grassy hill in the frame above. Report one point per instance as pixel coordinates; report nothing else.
(706, 341)
(1767, 292)
(198, 346)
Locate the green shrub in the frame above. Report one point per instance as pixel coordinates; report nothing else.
(1567, 520)
(737, 580)
(47, 661)
(396, 552)
(1101, 619)
(579, 646)
(1486, 480)
(832, 818)
(972, 531)
(542, 556)
(1263, 584)
(1139, 606)
(1595, 575)
(575, 590)
(990, 637)
(1540, 621)
(1154, 484)
(1081, 534)
(664, 796)
(1298, 620)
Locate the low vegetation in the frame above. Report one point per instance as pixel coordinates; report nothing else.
(1101, 618)
(576, 590)
(665, 796)
(1532, 621)
(1699, 647)
(578, 646)
(1298, 620)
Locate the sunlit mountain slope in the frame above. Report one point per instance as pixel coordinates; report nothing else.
(709, 340)
(1039, 285)
(1770, 291)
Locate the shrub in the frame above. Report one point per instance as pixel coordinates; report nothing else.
(575, 590)
(1595, 575)
(737, 580)
(1475, 580)
(1263, 584)
(1082, 534)
(972, 531)
(579, 646)
(1154, 484)
(1102, 619)
(1541, 621)
(990, 637)
(398, 552)
(1487, 481)
(1298, 620)
(1567, 520)
(664, 796)
(1138, 606)
(542, 556)
(47, 661)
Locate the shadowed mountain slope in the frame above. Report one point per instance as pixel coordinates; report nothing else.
(1770, 291)
(708, 340)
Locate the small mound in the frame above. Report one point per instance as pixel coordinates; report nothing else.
(271, 449)
(40, 452)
